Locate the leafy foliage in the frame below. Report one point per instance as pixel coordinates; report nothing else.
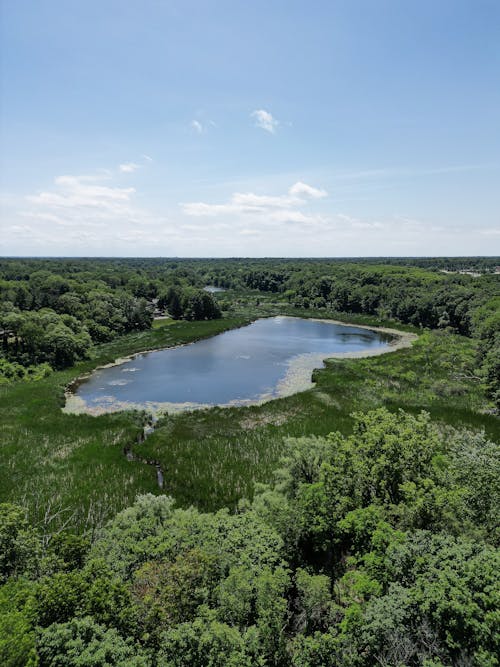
(368, 548)
(84, 643)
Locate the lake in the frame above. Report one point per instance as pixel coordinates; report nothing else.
(213, 289)
(269, 358)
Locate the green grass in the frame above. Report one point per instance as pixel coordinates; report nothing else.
(159, 324)
(211, 458)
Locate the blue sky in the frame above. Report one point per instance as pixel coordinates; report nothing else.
(236, 128)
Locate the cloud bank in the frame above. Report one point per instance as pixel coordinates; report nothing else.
(103, 214)
(277, 208)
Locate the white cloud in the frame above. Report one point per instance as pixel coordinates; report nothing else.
(350, 222)
(202, 126)
(147, 157)
(83, 214)
(74, 196)
(265, 120)
(263, 208)
(197, 126)
(300, 188)
(201, 209)
(251, 201)
(129, 167)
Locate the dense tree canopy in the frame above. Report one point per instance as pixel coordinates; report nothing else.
(53, 311)
(375, 548)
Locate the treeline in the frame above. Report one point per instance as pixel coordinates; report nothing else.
(47, 318)
(53, 311)
(189, 303)
(413, 296)
(378, 548)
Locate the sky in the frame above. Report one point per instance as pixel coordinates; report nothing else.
(226, 128)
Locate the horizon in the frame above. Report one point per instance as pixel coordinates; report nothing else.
(224, 130)
(253, 257)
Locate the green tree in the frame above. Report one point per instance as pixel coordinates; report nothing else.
(206, 641)
(20, 546)
(83, 643)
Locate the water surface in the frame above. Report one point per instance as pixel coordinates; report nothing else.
(268, 358)
(213, 289)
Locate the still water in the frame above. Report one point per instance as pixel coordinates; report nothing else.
(268, 358)
(213, 289)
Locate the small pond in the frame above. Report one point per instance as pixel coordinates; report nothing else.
(213, 289)
(269, 358)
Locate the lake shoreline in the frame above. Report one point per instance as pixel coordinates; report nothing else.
(298, 377)
(75, 382)
(401, 340)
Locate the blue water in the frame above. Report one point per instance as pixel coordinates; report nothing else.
(237, 366)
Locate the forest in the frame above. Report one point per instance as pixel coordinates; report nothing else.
(350, 525)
